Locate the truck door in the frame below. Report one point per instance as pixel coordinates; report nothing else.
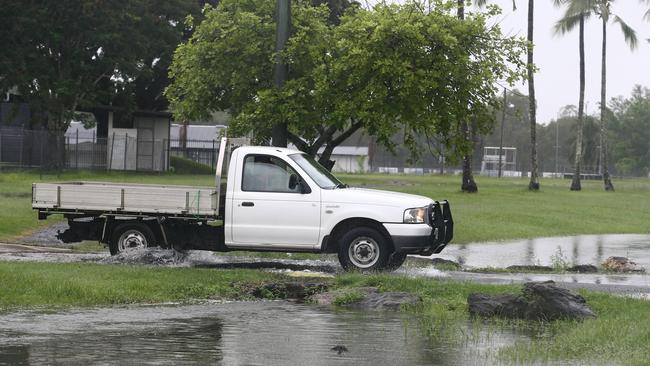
(268, 212)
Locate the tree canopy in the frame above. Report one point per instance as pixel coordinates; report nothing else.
(389, 69)
(63, 55)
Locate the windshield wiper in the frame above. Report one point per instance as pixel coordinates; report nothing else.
(342, 185)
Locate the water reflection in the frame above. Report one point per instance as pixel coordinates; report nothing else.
(264, 333)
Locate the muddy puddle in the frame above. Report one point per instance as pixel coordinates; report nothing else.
(240, 333)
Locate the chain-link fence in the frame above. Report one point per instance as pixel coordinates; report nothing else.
(84, 150)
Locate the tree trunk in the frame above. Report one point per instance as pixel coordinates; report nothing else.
(279, 132)
(603, 106)
(468, 185)
(575, 183)
(534, 173)
(325, 156)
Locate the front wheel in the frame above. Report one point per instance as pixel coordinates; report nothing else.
(364, 249)
(129, 236)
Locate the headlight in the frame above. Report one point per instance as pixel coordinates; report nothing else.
(415, 215)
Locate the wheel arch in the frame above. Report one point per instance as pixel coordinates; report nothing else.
(331, 243)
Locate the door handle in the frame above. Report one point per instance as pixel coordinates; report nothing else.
(247, 204)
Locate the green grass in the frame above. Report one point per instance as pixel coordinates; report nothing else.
(503, 208)
(28, 285)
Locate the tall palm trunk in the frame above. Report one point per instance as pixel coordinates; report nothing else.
(534, 175)
(575, 183)
(468, 183)
(603, 106)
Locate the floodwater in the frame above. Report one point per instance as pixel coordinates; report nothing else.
(581, 249)
(238, 333)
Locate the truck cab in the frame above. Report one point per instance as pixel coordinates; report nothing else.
(267, 199)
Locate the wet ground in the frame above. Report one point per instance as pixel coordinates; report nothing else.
(581, 249)
(239, 333)
(585, 249)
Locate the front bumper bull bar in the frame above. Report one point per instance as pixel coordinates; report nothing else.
(440, 219)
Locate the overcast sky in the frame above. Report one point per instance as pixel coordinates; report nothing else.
(556, 82)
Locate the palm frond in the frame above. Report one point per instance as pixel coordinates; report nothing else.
(480, 3)
(580, 7)
(567, 24)
(628, 32)
(558, 3)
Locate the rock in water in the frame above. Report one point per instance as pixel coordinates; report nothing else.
(539, 301)
(504, 306)
(549, 302)
(583, 268)
(621, 264)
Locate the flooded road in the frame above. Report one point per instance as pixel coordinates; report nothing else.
(238, 333)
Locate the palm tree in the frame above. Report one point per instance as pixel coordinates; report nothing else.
(533, 185)
(575, 15)
(604, 11)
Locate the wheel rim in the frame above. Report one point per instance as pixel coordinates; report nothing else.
(364, 252)
(131, 239)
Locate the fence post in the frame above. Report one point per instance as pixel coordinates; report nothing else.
(126, 143)
(110, 158)
(76, 152)
(212, 155)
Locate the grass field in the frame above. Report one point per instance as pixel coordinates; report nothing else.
(618, 336)
(503, 208)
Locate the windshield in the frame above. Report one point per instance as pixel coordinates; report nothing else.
(317, 172)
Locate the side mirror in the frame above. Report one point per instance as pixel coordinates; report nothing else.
(293, 181)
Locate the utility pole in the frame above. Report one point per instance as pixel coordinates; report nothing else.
(283, 19)
(503, 119)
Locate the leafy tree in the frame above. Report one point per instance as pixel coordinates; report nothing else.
(395, 68)
(631, 133)
(69, 54)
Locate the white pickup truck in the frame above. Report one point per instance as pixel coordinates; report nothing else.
(268, 199)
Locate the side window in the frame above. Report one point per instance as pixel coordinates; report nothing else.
(265, 173)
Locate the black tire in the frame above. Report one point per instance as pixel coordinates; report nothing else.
(396, 261)
(364, 249)
(131, 235)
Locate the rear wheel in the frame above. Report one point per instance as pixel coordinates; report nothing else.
(130, 236)
(364, 249)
